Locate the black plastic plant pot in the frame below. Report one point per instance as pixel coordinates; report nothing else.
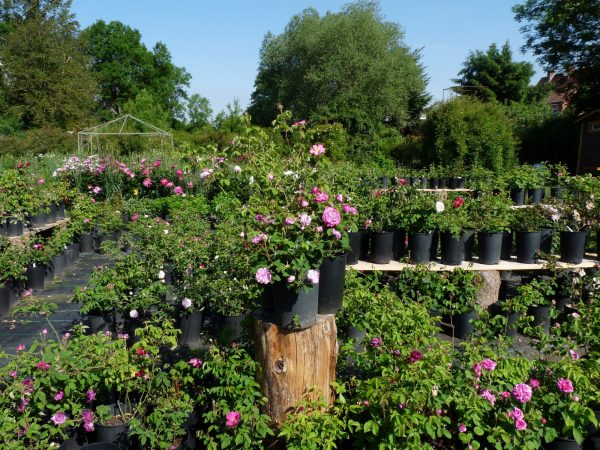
(556, 192)
(38, 220)
(528, 245)
(100, 446)
(365, 241)
(382, 246)
(415, 181)
(535, 195)
(59, 264)
(72, 254)
(331, 284)
(100, 322)
(233, 328)
(442, 183)
(52, 214)
(35, 277)
(3, 228)
(60, 211)
(5, 297)
(572, 246)
(541, 317)
(191, 327)
(513, 319)
(490, 247)
(355, 239)
(452, 249)
(86, 243)
(452, 183)
(419, 245)
(546, 241)
(433, 183)
(468, 238)
(358, 336)
(562, 444)
(398, 244)
(16, 288)
(266, 299)
(517, 195)
(385, 182)
(462, 328)
(116, 432)
(435, 241)
(14, 228)
(507, 241)
(460, 183)
(48, 273)
(295, 309)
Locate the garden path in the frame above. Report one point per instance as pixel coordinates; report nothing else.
(20, 328)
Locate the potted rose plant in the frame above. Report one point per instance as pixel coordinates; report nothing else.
(451, 223)
(492, 218)
(420, 211)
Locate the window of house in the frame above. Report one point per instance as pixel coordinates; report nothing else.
(594, 126)
(556, 108)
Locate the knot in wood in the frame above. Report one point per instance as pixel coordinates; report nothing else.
(326, 327)
(280, 366)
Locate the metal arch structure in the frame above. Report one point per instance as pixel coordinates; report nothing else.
(85, 138)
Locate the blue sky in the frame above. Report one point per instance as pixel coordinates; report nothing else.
(218, 41)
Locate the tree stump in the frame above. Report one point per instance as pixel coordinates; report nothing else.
(490, 288)
(292, 361)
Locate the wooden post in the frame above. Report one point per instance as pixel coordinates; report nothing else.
(292, 361)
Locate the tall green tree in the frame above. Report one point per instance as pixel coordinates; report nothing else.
(44, 74)
(466, 131)
(199, 111)
(124, 67)
(565, 34)
(493, 75)
(351, 67)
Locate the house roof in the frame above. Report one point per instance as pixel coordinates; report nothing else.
(587, 114)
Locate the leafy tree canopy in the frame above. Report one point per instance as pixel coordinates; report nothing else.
(124, 67)
(351, 67)
(493, 75)
(468, 132)
(44, 78)
(199, 112)
(565, 34)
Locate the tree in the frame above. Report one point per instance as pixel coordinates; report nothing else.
(350, 67)
(44, 75)
(466, 132)
(565, 34)
(124, 67)
(199, 111)
(493, 75)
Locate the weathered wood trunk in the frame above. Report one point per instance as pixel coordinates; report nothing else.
(490, 288)
(292, 361)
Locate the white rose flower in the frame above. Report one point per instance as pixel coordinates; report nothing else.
(439, 206)
(134, 314)
(161, 274)
(186, 303)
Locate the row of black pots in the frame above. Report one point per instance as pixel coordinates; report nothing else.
(42, 218)
(290, 308)
(16, 228)
(38, 275)
(425, 182)
(492, 247)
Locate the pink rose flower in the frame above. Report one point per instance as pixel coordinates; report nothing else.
(486, 394)
(263, 275)
(313, 276)
(195, 362)
(232, 419)
(520, 424)
(534, 383)
(522, 392)
(488, 364)
(317, 150)
(331, 217)
(565, 385)
(336, 233)
(462, 428)
(59, 396)
(59, 418)
(178, 190)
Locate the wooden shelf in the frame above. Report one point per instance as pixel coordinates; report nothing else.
(511, 264)
(39, 229)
